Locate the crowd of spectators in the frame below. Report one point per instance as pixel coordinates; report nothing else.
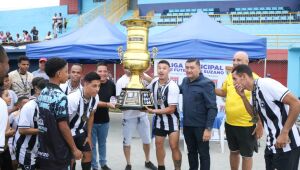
(58, 25)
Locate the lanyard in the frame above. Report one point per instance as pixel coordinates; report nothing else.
(254, 104)
(160, 91)
(26, 81)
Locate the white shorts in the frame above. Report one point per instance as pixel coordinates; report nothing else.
(142, 125)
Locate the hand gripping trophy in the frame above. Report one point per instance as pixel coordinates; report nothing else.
(136, 59)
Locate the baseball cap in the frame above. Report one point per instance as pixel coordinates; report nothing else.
(43, 59)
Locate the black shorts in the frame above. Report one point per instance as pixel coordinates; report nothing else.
(163, 133)
(282, 161)
(79, 141)
(241, 139)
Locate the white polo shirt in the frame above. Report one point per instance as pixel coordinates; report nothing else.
(67, 88)
(127, 114)
(3, 123)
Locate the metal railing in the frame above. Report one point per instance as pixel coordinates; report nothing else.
(112, 10)
(284, 18)
(279, 41)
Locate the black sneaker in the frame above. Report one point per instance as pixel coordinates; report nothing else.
(105, 167)
(128, 167)
(150, 165)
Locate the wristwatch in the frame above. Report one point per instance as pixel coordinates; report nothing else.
(208, 128)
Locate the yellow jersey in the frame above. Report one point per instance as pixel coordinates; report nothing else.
(236, 113)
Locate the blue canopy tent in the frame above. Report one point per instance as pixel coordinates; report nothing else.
(201, 37)
(98, 40)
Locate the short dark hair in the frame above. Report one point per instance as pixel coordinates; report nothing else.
(42, 84)
(191, 60)
(243, 68)
(89, 77)
(101, 64)
(78, 64)
(1, 91)
(164, 62)
(53, 65)
(21, 98)
(2, 54)
(35, 81)
(23, 58)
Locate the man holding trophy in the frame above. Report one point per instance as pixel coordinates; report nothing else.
(132, 94)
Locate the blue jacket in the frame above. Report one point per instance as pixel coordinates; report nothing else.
(199, 102)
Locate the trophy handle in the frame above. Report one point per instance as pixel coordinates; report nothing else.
(154, 54)
(121, 53)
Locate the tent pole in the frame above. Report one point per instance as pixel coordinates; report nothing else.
(265, 67)
(115, 73)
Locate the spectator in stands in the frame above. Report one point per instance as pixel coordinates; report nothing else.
(21, 78)
(35, 34)
(54, 19)
(65, 23)
(1, 36)
(26, 36)
(18, 38)
(59, 23)
(49, 36)
(241, 133)
(9, 38)
(41, 71)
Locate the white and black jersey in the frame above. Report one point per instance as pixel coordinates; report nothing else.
(67, 88)
(274, 113)
(3, 123)
(79, 111)
(165, 95)
(26, 145)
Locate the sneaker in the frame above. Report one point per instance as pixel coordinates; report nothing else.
(150, 165)
(105, 167)
(128, 167)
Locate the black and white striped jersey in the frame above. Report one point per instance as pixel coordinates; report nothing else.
(26, 145)
(274, 113)
(165, 95)
(79, 111)
(67, 88)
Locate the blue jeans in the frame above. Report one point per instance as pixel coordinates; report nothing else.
(99, 135)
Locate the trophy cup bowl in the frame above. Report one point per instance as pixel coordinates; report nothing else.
(136, 59)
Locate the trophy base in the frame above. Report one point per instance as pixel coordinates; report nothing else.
(134, 99)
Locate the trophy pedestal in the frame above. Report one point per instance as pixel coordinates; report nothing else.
(134, 99)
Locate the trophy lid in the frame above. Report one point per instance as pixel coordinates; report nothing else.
(137, 22)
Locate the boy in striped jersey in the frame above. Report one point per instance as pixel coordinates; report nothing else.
(278, 109)
(82, 105)
(166, 121)
(26, 141)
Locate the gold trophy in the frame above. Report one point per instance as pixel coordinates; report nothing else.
(136, 59)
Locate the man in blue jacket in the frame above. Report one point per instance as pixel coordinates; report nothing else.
(199, 112)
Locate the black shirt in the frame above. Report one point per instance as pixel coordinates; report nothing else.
(107, 90)
(54, 152)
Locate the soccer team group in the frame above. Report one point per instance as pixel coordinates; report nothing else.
(50, 118)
